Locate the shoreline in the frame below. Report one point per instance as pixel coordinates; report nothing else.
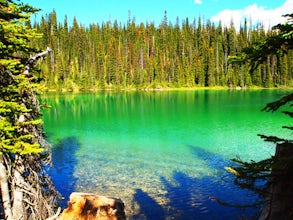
(161, 89)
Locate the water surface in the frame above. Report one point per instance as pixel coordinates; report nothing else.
(163, 153)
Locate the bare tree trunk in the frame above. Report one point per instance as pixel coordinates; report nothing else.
(5, 190)
(17, 208)
(278, 204)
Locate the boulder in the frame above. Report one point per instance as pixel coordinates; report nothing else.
(85, 206)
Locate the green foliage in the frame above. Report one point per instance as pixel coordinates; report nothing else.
(191, 54)
(277, 45)
(278, 167)
(274, 106)
(18, 110)
(16, 120)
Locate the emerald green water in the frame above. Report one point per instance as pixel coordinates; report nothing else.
(164, 153)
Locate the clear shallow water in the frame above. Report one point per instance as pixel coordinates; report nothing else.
(164, 153)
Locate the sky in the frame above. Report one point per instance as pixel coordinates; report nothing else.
(268, 12)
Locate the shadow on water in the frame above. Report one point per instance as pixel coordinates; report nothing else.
(64, 163)
(149, 208)
(198, 198)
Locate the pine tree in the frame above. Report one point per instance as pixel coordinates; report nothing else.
(271, 177)
(143, 55)
(26, 190)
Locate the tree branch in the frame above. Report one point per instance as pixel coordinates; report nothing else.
(31, 60)
(273, 106)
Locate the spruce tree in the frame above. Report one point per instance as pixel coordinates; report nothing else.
(271, 177)
(26, 190)
(143, 55)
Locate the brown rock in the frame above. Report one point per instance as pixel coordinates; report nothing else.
(84, 206)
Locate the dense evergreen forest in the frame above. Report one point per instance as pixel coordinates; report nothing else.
(186, 54)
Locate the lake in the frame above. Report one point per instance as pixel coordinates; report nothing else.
(162, 152)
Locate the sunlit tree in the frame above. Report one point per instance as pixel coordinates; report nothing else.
(26, 190)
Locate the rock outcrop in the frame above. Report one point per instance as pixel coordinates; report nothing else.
(86, 206)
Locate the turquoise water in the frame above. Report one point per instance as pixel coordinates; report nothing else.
(163, 153)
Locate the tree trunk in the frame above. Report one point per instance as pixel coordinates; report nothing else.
(5, 190)
(278, 204)
(17, 208)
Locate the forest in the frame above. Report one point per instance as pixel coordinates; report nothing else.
(188, 54)
(111, 55)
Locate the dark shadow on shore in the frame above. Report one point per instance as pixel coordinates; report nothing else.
(211, 196)
(64, 163)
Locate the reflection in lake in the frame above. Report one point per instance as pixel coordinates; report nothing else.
(164, 153)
